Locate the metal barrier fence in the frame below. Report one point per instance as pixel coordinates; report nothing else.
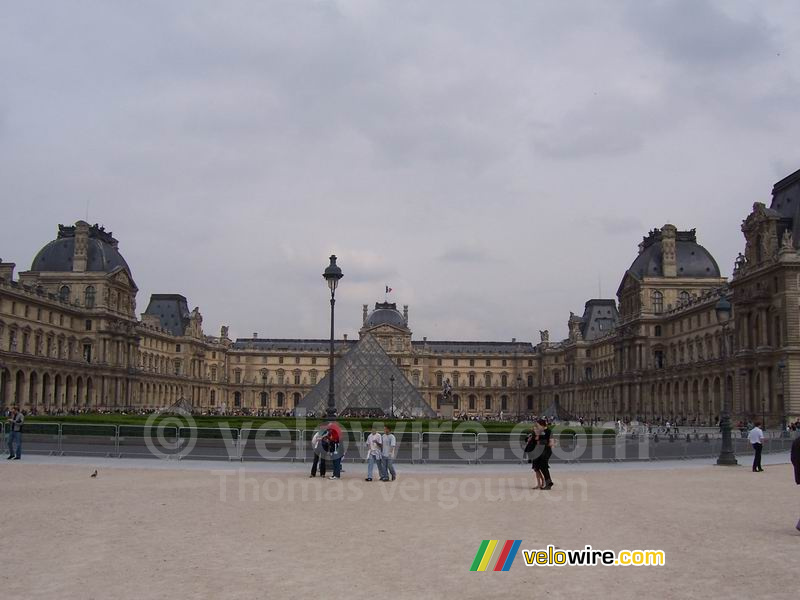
(265, 444)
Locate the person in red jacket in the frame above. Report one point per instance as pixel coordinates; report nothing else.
(334, 438)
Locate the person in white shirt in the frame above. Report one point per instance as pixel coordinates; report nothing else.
(756, 437)
(388, 452)
(319, 459)
(374, 443)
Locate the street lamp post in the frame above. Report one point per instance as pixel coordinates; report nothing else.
(726, 455)
(332, 275)
(391, 380)
(519, 397)
(764, 413)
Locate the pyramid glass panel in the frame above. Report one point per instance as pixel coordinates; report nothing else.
(363, 386)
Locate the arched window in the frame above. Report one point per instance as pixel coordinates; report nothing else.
(263, 399)
(237, 399)
(504, 380)
(472, 380)
(488, 378)
(658, 302)
(530, 380)
(88, 297)
(684, 297)
(63, 293)
(503, 402)
(472, 402)
(280, 399)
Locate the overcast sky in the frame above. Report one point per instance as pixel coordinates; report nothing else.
(496, 163)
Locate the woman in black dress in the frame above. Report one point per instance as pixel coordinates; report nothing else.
(531, 448)
(545, 441)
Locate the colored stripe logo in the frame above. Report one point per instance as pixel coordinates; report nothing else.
(508, 552)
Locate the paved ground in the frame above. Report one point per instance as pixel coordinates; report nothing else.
(169, 529)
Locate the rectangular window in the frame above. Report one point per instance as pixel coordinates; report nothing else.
(87, 353)
(213, 397)
(471, 362)
(505, 362)
(177, 347)
(438, 362)
(238, 376)
(313, 360)
(488, 363)
(455, 362)
(487, 403)
(88, 324)
(297, 378)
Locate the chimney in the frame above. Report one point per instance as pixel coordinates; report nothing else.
(80, 256)
(405, 313)
(345, 337)
(669, 267)
(364, 309)
(513, 340)
(6, 270)
(255, 335)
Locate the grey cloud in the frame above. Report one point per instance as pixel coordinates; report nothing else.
(466, 254)
(621, 225)
(700, 34)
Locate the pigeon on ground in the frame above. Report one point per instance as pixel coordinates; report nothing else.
(94, 474)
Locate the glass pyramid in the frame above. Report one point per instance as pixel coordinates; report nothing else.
(363, 386)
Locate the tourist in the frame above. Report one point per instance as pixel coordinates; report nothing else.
(756, 437)
(319, 457)
(15, 421)
(388, 454)
(531, 447)
(333, 438)
(374, 455)
(545, 441)
(795, 454)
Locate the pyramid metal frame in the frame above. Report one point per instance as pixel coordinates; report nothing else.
(558, 412)
(362, 385)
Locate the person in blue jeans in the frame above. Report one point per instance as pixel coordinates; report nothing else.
(388, 454)
(374, 442)
(334, 443)
(15, 421)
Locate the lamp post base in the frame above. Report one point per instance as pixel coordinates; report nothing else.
(727, 459)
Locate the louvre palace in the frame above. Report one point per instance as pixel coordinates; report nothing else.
(677, 336)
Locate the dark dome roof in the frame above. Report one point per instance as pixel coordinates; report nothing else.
(692, 260)
(385, 313)
(102, 252)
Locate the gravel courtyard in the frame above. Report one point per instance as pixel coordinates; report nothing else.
(190, 530)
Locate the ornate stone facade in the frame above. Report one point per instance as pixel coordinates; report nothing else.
(70, 339)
